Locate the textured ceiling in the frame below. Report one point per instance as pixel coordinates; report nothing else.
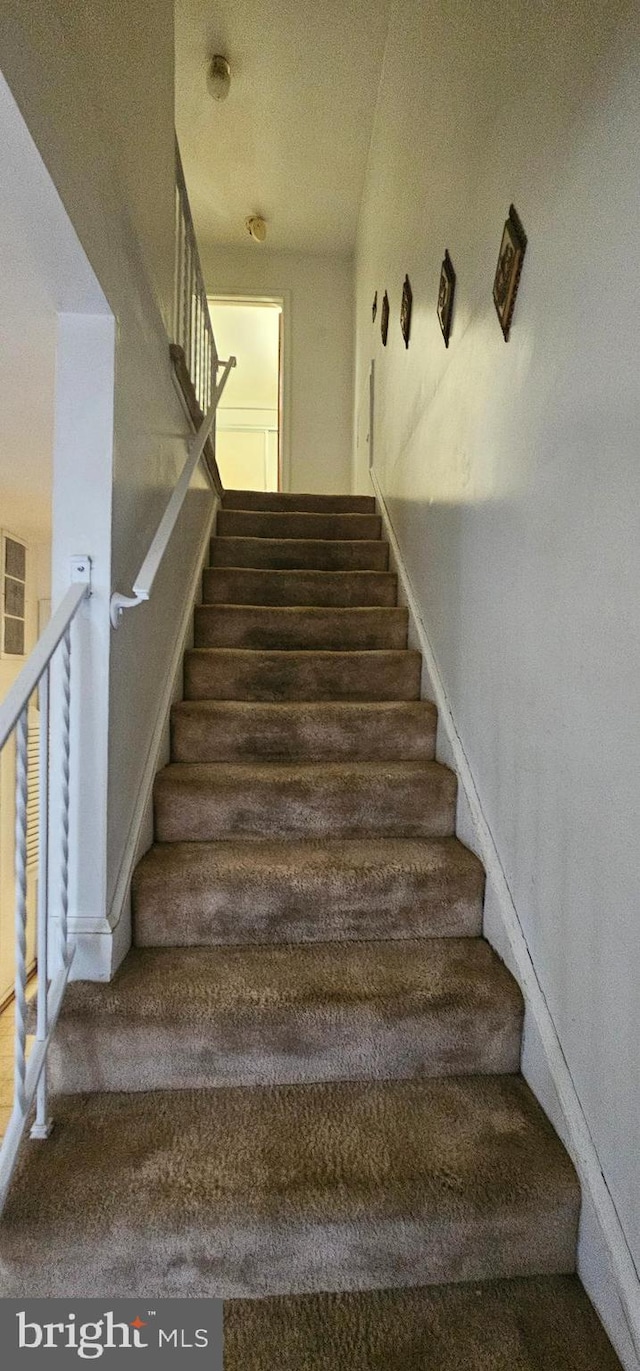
(291, 140)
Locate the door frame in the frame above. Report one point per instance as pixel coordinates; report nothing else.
(282, 298)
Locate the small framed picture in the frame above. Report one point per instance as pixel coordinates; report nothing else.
(507, 278)
(384, 318)
(446, 292)
(374, 308)
(405, 311)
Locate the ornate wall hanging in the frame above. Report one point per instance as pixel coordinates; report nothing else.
(374, 308)
(384, 318)
(507, 278)
(446, 292)
(405, 310)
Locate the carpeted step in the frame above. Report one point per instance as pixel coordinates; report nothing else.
(242, 523)
(290, 1189)
(281, 554)
(305, 891)
(223, 673)
(324, 730)
(538, 1323)
(226, 800)
(300, 628)
(173, 1018)
(247, 586)
(285, 501)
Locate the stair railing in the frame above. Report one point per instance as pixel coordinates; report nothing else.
(51, 658)
(191, 326)
(148, 571)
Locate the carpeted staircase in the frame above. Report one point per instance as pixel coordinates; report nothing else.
(304, 1078)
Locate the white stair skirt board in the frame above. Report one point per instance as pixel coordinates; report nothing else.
(605, 1263)
(102, 945)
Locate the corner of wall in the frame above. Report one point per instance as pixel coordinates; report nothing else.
(604, 1262)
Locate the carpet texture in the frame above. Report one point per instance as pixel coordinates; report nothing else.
(293, 1189)
(300, 1090)
(246, 586)
(300, 627)
(178, 1017)
(300, 890)
(538, 1324)
(241, 730)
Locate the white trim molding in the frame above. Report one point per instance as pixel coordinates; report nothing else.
(605, 1261)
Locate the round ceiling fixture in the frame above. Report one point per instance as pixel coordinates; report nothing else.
(256, 227)
(219, 77)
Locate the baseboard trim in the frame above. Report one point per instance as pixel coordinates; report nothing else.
(610, 1277)
(137, 842)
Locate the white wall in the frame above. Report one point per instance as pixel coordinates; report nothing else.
(512, 477)
(318, 375)
(97, 95)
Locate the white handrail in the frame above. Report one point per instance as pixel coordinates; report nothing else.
(143, 583)
(53, 647)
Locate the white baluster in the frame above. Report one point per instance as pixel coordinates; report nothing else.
(43, 1124)
(65, 652)
(21, 911)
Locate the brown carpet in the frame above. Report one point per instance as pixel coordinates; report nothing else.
(300, 1090)
(541, 1324)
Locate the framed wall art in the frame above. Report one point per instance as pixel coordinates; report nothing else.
(405, 311)
(384, 319)
(446, 292)
(374, 308)
(507, 278)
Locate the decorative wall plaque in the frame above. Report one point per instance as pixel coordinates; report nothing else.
(405, 310)
(446, 293)
(384, 318)
(507, 278)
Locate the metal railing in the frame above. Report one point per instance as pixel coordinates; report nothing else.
(52, 654)
(192, 328)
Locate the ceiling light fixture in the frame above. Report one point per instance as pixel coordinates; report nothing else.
(219, 77)
(256, 226)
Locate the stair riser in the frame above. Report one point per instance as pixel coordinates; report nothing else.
(420, 805)
(248, 524)
(265, 902)
(297, 554)
(228, 674)
(324, 1043)
(229, 731)
(311, 504)
(338, 630)
(328, 588)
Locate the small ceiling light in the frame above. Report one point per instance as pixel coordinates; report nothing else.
(257, 227)
(219, 77)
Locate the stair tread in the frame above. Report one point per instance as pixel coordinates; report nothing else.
(248, 1015)
(238, 523)
(238, 1190)
(537, 1323)
(285, 500)
(300, 553)
(295, 627)
(306, 889)
(301, 586)
(215, 730)
(237, 673)
(196, 985)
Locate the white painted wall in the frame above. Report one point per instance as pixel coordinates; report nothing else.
(318, 363)
(512, 479)
(97, 95)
